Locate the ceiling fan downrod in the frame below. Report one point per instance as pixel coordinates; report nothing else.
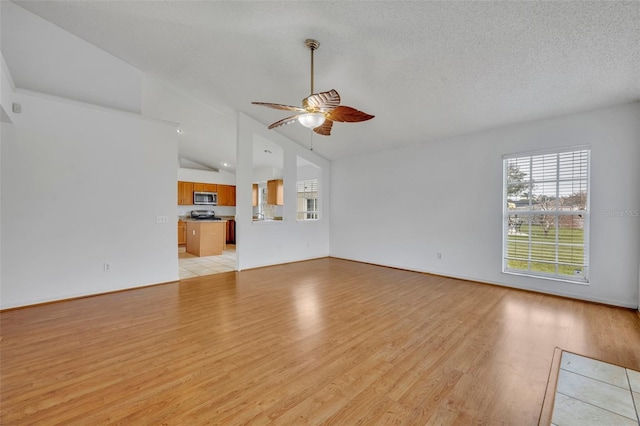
(312, 45)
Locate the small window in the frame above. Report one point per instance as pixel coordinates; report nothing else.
(546, 214)
(307, 199)
(308, 184)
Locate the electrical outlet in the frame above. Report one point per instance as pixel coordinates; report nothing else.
(107, 267)
(439, 256)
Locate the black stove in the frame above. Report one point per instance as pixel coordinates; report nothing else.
(203, 215)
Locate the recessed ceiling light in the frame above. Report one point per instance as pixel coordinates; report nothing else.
(225, 164)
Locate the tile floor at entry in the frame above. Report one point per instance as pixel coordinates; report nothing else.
(190, 266)
(591, 392)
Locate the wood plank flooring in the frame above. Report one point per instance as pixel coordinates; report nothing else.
(326, 341)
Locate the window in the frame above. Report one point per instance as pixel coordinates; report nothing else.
(307, 199)
(546, 214)
(308, 178)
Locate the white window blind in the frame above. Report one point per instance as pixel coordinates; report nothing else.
(307, 199)
(546, 214)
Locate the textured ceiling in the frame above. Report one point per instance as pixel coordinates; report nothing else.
(426, 70)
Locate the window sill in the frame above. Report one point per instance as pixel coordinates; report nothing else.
(580, 281)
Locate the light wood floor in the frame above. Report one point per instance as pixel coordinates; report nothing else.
(324, 341)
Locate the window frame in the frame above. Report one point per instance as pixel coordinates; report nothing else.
(556, 213)
(308, 215)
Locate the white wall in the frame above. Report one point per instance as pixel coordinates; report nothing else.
(208, 132)
(82, 186)
(195, 175)
(45, 58)
(264, 174)
(308, 172)
(6, 100)
(6, 91)
(446, 197)
(272, 242)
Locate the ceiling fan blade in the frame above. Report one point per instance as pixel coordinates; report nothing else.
(284, 121)
(325, 128)
(348, 114)
(323, 101)
(280, 106)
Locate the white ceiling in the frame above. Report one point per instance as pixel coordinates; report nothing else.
(426, 70)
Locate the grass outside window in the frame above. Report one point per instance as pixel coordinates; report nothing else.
(533, 249)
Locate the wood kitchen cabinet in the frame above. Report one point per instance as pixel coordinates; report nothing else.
(182, 232)
(232, 195)
(275, 192)
(223, 195)
(205, 187)
(254, 195)
(206, 238)
(185, 193)
(231, 231)
(226, 195)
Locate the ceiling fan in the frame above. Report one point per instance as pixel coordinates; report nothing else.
(318, 110)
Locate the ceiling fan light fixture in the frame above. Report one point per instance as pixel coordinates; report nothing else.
(318, 110)
(311, 120)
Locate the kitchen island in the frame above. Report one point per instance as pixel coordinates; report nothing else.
(206, 237)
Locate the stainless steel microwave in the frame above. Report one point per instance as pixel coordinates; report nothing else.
(205, 198)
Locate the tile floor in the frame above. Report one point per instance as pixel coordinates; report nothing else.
(190, 266)
(591, 392)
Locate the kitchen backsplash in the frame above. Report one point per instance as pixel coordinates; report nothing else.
(220, 210)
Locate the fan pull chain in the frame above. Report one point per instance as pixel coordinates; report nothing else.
(311, 139)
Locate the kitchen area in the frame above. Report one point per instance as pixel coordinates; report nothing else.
(206, 228)
(207, 210)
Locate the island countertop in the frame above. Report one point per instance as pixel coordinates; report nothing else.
(205, 220)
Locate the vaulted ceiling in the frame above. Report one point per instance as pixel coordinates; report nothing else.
(426, 70)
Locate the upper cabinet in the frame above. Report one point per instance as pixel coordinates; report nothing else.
(205, 187)
(223, 195)
(254, 195)
(275, 192)
(232, 195)
(185, 193)
(226, 195)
